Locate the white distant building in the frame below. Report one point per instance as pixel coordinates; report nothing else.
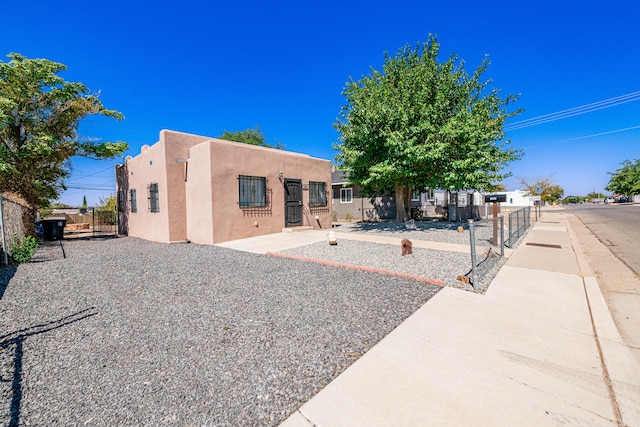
(517, 198)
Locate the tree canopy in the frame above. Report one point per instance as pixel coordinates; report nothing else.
(109, 203)
(252, 136)
(543, 187)
(39, 117)
(422, 124)
(626, 180)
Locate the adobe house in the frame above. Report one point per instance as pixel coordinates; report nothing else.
(208, 190)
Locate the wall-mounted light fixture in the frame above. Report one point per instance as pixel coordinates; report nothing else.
(280, 175)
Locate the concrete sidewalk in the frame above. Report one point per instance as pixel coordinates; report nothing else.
(540, 348)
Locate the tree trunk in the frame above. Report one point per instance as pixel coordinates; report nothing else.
(403, 204)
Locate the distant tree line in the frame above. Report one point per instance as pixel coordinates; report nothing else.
(253, 136)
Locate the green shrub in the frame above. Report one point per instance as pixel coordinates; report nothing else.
(348, 216)
(22, 252)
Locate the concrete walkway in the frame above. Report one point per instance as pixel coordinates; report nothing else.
(276, 242)
(539, 349)
(288, 240)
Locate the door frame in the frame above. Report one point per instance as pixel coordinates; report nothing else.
(292, 203)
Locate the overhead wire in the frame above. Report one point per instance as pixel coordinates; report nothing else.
(601, 133)
(575, 111)
(91, 174)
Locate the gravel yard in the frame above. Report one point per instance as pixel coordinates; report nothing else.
(128, 332)
(424, 230)
(431, 264)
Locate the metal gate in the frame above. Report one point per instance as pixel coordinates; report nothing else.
(292, 202)
(105, 222)
(91, 221)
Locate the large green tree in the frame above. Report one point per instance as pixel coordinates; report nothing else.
(626, 180)
(420, 123)
(39, 117)
(252, 136)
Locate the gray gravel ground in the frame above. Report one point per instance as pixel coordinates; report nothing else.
(436, 231)
(432, 264)
(128, 332)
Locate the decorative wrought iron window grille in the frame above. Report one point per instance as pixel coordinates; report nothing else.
(317, 194)
(121, 204)
(154, 202)
(133, 200)
(252, 191)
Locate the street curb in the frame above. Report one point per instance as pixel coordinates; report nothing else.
(620, 369)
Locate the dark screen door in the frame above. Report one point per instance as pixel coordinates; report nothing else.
(292, 202)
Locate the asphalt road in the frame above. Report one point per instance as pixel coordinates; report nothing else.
(617, 226)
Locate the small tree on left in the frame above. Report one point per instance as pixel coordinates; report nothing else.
(39, 117)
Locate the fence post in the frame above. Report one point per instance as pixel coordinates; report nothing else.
(4, 236)
(501, 235)
(473, 253)
(510, 228)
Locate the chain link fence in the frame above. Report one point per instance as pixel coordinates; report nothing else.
(518, 222)
(488, 240)
(487, 249)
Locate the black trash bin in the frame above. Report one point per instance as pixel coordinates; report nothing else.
(53, 228)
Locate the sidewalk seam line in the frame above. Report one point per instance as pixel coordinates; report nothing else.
(311, 423)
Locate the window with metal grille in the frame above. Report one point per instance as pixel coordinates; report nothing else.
(154, 202)
(121, 206)
(346, 195)
(252, 191)
(317, 194)
(133, 202)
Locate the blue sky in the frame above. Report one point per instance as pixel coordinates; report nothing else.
(205, 66)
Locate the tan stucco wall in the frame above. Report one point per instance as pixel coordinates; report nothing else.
(231, 159)
(177, 145)
(198, 195)
(157, 164)
(198, 189)
(146, 168)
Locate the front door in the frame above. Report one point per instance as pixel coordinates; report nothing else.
(292, 202)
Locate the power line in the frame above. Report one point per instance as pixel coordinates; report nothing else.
(601, 133)
(576, 111)
(90, 188)
(91, 174)
(107, 185)
(583, 137)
